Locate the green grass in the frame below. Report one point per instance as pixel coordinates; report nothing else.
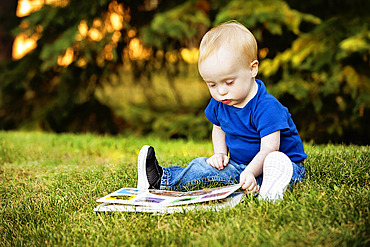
(49, 185)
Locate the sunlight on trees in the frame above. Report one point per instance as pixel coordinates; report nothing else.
(83, 30)
(137, 50)
(190, 55)
(26, 7)
(22, 45)
(113, 23)
(314, 56)
(67, 58)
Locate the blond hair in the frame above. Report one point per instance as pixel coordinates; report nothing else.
(231, 35)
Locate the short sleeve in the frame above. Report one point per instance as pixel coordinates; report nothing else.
(271, 116)
(211, 112)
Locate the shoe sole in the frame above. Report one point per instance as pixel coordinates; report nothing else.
(277, 173)
(142, 180)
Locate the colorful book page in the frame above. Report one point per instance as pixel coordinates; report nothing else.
(226, 203)
(164, 198)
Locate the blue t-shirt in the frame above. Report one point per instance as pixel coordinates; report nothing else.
(244, 127)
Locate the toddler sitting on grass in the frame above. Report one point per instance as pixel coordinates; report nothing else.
(255, 141)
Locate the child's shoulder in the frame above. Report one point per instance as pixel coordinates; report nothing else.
(264, 97)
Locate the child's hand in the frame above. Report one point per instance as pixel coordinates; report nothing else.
(218, 161)
(248, 182)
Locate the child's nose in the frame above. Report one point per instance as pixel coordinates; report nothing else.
(222, 90)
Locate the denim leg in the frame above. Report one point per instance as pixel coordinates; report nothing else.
(198, 172)
(298, 173)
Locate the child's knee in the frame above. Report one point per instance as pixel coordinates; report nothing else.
(199, 164)
(198, 161)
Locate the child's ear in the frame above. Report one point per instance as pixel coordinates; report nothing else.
(254, 68)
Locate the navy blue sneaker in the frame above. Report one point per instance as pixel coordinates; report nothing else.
(148, 170)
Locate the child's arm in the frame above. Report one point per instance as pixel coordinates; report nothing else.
(269, 144)
(220, 157)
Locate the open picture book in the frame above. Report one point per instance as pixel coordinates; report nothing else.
(164, 201)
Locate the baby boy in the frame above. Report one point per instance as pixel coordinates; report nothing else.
(255, 140)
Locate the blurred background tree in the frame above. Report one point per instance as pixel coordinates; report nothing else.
(130, 66)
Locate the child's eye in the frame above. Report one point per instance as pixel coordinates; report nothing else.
(229, 82)
(211, 85)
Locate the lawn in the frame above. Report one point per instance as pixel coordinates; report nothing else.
(49, 185)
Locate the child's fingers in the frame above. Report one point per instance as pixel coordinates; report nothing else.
(210, 162)
(252, 188)
(215, 162)
(226, 160)
(218, 161)
(219, 165)
(243, 183)
(248, 183)
(245, 186)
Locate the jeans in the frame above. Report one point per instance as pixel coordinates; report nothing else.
(199, 173)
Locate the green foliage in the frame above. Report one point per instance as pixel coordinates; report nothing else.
(50, 184)
(314, 56)
(180, 24)
(182, 126)
(50, 52)
(270, 15)
(322, 73)
(50, 96)
(328, 77)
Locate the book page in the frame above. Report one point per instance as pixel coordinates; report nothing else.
(216, 205)
(165, 198)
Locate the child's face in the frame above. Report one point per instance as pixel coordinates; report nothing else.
(229, 80)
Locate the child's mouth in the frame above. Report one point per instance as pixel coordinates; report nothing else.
(226, 101)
